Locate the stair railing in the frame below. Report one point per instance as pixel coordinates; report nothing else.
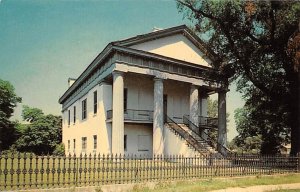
(183, 133)
(208, 139)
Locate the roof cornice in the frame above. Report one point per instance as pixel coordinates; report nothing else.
(122, 47)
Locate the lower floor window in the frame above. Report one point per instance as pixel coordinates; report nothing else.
(84, 143)
(95, 141)
(69, 144)
(125, 142)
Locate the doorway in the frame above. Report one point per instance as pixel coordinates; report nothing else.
(165, 107)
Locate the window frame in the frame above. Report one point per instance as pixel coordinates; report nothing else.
(95, 144)
(69, 145)
(74, 114)
(69, 117)
(83, 143)
(125, 99)
(125, 142)
(84, 109)
(95, 102)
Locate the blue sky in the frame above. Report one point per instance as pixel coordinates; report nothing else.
(44, 42)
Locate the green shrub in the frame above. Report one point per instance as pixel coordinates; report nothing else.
(59, 150)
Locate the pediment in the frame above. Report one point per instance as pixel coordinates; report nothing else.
(176, 46)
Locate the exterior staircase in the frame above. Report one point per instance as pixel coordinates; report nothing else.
(198, 138)
(192, 139)
(191, 134)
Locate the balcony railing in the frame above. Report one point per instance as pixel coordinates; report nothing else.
(210, 122)
(134, 115)
(206, 122)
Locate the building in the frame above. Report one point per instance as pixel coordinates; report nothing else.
(146, 95)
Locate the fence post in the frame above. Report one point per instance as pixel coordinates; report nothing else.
(298, 162)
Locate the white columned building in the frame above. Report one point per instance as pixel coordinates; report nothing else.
(146, 95)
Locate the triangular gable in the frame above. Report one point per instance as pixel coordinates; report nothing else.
(177, 42)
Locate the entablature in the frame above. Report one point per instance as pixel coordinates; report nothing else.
(113, 56)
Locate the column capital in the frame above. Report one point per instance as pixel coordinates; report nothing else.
(121, 73)
(192, 85)
(225, 90)
(158, 79)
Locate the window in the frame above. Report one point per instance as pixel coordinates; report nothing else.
(69, 120)
(84, 142)
(95, 102)
(74, 115)
(74, 144)
(84, 109)
(125, 99)
(125, 142)
(95, 141)
(69, 144)
(144, 142)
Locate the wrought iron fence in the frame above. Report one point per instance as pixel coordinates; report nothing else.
(27, 171)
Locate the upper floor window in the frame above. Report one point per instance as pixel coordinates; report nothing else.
(69, 116)
(74, 114)
(84, 109)
(125, 99)
(95, 102)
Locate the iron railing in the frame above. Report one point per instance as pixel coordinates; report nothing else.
(185, 135)
(208, 139)
(134, 115)
(27, 171)
(208, 122)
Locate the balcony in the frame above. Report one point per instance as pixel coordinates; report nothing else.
(133, 116)
(208, 122)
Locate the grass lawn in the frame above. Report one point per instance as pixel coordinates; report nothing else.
(287, 190)
(215, 184)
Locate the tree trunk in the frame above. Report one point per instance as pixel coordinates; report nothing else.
(294, 105)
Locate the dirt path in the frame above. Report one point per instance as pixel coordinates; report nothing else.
(261, 188)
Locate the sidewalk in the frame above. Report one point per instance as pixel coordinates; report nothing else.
(261, 188)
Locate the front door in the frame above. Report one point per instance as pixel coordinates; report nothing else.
(165, 106)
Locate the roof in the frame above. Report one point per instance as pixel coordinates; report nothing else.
(123, 44)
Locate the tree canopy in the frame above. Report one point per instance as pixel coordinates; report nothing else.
(8, 101)
(42, 134)
(252, 42)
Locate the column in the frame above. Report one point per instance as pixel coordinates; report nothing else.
(203, 113)
(222, 132)
(194, 105)
(158, 118)
(118, 113)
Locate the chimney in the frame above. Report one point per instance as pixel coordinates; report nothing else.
(156, 29)
(71, 81)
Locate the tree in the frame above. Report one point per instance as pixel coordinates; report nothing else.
(31, 114)
(250, 40)
(8, 101)
(212, 111)
(42, 134)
